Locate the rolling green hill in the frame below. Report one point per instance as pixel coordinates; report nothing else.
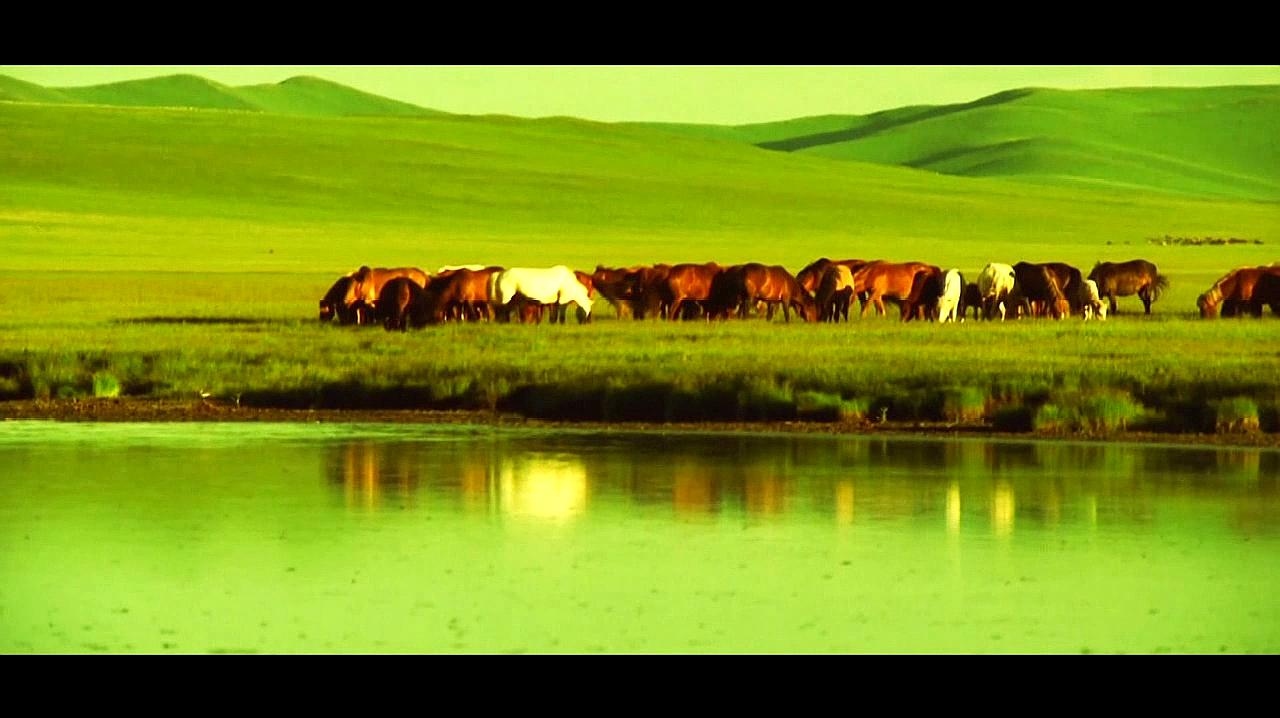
(297, 96)
(88, 187)
(1215, 141)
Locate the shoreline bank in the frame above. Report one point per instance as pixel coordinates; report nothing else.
(136, 410)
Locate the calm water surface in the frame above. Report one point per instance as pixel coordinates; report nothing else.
(194, 538)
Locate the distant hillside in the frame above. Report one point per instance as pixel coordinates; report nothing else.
(297, 96)
(1215, 141)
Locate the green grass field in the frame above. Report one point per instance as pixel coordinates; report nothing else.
(110, 215)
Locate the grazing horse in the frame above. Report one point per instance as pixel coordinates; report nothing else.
(1039, 288)
(775, 286)
(648, 286)
(461, 294)
(1234, 292)
(887, 280)
(688, 283)
(1091, 301)
(369, 281)
(456, 267)
(341, 302)
(402, 303)
(811, 276)
(1267, 292)
(1070, 281)
(950, 306)
(997, 283)
(619, 288)
(971, 299)
(554, 285)
(1122, 279)
(835, 292)
(926, 291)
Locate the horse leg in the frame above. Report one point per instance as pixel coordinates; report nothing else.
(1145, 296)
(1111, 298)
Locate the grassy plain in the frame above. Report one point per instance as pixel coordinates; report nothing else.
(181, 250)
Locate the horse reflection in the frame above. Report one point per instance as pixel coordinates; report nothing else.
(372, 473)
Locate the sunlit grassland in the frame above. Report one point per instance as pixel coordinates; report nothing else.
(117, 225)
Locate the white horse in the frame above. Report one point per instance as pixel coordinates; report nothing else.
(555, 285)
(995, 284)
(1093, 304)
(949, 302)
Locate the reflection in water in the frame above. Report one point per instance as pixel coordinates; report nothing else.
(1002, 508)
(545, 486)
(953, 508)
(1004, 486)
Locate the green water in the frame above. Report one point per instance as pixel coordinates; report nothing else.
(195, 538)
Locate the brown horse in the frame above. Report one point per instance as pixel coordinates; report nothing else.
(401, 304)
(835, 292)
(340, 302)
(1039, 292)
(368, 282)
(1070, 283)
(926, 290)
(460, 294)
(688, 283)
(1122, 279)
(971, 299)
(811, 276)
(1234, 290)
(886, 280)
(618, 289)
(1267, 292)
(753, 283)
(649, 297)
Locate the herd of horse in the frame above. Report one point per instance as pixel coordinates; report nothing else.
(406, 297)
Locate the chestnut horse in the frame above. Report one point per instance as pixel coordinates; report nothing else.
(461, 294)
(369, 281)
(742, 285)
(648, 290)
(926, 292)
(688, 283)
(1236, 290)
(886, 280)
(619, 289)
(1122, 279)
(811, 276)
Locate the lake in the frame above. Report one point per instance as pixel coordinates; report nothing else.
(379, 538)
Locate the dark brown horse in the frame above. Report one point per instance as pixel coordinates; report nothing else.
(1037, 287)
(835, 293)
(1234, 292)
(926, 290)
(648, 287)
(1267, 293)
(971, 299)
(401, 304)
(340, 302)
(1070, 283)
(1122, 279)
(620, 288)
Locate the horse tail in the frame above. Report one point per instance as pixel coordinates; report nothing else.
(1159, 286)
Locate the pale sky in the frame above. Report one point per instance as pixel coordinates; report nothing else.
(731, 94)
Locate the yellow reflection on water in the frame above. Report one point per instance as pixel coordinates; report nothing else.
(765, 495)
(1002, 508)
(551, 487)
(693, 488)
(369, 470)
(953, 508)
(844, 502)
